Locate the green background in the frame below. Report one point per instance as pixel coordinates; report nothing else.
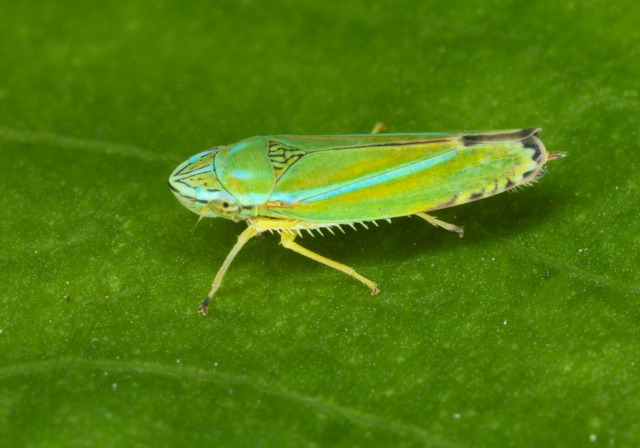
(523, 333)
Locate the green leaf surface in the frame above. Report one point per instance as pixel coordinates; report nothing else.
(523, 333)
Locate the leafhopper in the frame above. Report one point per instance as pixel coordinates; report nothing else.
(293, 183)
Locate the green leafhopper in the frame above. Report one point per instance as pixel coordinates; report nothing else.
(290, 183)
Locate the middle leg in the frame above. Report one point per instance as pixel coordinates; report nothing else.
(287, 241)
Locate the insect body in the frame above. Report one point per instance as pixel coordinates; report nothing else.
(291, 183)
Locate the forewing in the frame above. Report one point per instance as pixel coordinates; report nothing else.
(354, 178)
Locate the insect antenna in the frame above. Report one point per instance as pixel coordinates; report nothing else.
(174, 162)
(202, 215)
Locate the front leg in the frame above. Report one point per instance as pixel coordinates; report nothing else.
(242, 239)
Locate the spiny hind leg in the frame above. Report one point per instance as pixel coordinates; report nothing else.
(445, 225)
(287, 241)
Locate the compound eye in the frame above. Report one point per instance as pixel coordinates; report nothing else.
(224, 205)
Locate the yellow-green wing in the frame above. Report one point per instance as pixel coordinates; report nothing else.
(367, 177)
